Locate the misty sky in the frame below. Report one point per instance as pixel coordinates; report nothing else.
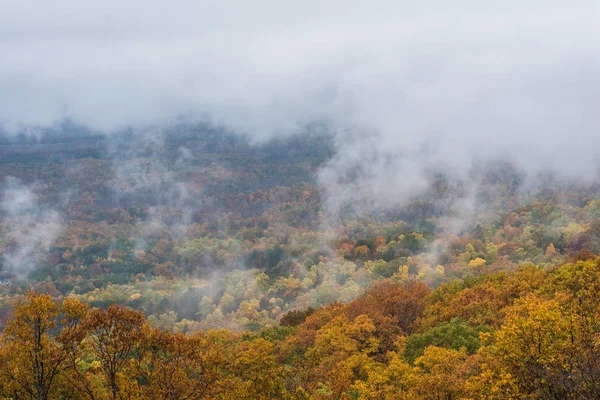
(425, 84)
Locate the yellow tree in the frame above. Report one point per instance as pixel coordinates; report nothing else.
(548, 350)
(32, 361)
(341, 355)
(387, 381)
(78, 372)
(176, 366)
(258, 373)
(440, 374)
(112, 337)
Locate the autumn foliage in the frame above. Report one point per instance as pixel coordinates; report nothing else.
(226, 275)
(532, 333)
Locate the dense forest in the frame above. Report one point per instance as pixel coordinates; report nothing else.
(190, 262)
(299, 200)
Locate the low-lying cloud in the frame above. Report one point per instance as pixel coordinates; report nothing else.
(28, 228)
(408, 88)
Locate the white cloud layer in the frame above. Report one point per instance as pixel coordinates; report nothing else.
(429, 85)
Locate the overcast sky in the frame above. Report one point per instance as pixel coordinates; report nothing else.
(434, 83)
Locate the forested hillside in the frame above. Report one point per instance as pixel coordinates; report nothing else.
(328, 200)
(195, 263)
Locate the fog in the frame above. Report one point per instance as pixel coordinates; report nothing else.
(27, 226)
(407, 89)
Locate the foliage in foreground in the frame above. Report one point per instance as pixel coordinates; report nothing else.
(532, 333)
